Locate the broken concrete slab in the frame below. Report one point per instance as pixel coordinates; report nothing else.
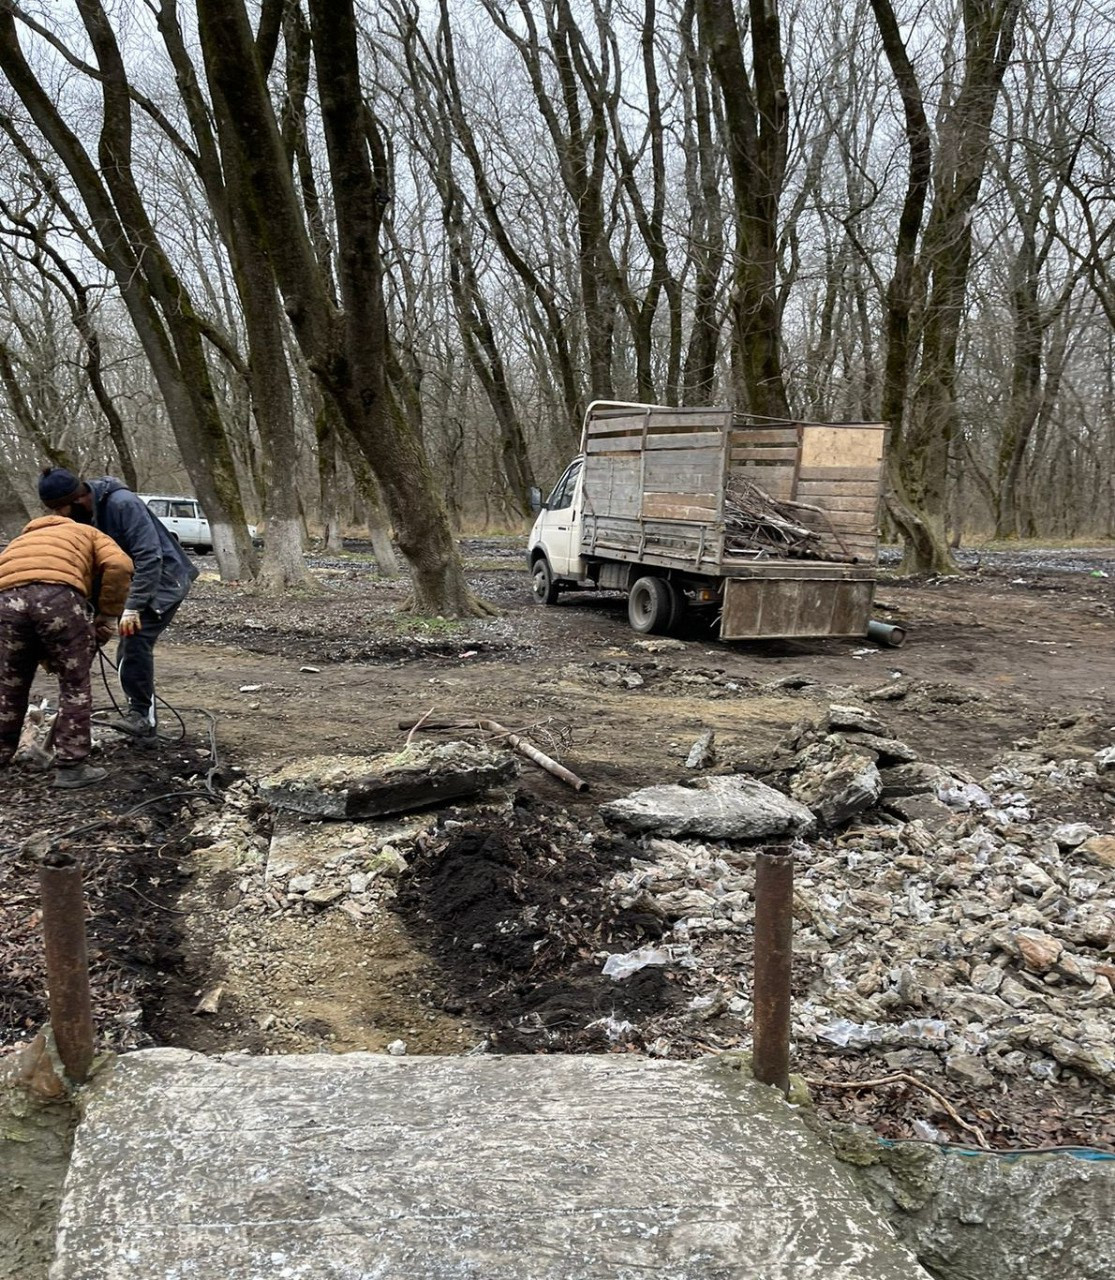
(838, 789)
(887, 751)
(702, 754)
(923, 808)
(913, 779)
(736, 807)
(342, 1167)
(1039, 1217)
(857, 718)
(420, 775)
(1099, 850)
(301, 848)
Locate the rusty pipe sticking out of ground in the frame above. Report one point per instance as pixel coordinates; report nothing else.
(67, 962)
(774, 904)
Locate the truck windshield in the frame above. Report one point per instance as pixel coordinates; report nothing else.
(562, 495)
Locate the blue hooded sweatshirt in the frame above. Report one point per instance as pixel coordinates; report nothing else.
(163, 571)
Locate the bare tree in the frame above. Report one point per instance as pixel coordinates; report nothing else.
(347, 350)
(267, 372)
(931, 272)
(160, 305)
(755, 126)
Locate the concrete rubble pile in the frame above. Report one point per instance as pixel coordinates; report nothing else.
(317, 856)
(949, 928)
(306, 867)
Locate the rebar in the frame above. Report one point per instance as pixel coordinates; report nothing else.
(774, 901)
(67, 962)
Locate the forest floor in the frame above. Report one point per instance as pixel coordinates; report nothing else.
(1018, 647)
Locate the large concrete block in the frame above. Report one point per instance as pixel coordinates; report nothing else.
(471, 1168)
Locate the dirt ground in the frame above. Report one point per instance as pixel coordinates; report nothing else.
(1015, 644)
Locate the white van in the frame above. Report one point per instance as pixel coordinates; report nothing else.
(184, 519)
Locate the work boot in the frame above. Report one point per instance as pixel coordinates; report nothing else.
(134, 723)
(68, 776)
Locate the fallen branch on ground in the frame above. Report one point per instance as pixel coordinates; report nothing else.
(513, 740)
(902, 1077)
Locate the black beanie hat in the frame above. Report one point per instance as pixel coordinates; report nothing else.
(57, 486)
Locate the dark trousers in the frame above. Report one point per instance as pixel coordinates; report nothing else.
(37, 621)
(135, 661)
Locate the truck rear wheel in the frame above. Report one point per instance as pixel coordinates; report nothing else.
(650, 605)
(542, 585)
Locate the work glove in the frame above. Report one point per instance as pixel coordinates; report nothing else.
(104, 628)
(130, 622)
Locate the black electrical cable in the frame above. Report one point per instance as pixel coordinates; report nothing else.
(209, 793)
(106, 663)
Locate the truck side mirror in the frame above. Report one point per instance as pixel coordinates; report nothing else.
(535, 495)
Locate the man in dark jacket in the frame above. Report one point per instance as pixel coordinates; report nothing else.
(163, 573)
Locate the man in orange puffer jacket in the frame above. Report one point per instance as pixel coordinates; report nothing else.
(49, 576)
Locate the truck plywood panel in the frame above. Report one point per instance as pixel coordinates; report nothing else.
(829, 474)
(713, 441)
(821, 490)
(690, 473)
(613, 471)
(764, 453)
(784, 608)
(833, 503)
(787, 437)
(622, 446)
(842, 446)
(681, 506)
(777, 480)
(841, 521)
(796, 569)
(629, 420)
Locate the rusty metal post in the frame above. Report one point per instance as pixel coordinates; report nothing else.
(67, 962)
(774, 902)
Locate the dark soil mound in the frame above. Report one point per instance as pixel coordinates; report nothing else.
(515, 909)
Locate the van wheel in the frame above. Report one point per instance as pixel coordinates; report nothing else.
(542, 584)
(650, 605)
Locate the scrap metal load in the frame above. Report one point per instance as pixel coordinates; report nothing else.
(757, 525)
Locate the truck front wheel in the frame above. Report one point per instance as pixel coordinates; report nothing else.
(542, 584)
(650, 605)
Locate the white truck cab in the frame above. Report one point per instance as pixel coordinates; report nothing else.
(555, 540)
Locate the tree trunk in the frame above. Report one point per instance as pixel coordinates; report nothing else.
(755, 120)
(935, 282)
(268, 373)
(13, 510)
(160, 308)
(348, 353)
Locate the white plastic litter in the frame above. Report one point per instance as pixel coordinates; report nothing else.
(613, 1028)
(620, 966)
(965, 795)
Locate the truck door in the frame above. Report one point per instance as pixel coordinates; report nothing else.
(561, 526)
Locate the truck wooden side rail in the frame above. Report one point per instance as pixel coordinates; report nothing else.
(680, 506)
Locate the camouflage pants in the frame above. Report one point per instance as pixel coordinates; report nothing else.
(37, 621)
